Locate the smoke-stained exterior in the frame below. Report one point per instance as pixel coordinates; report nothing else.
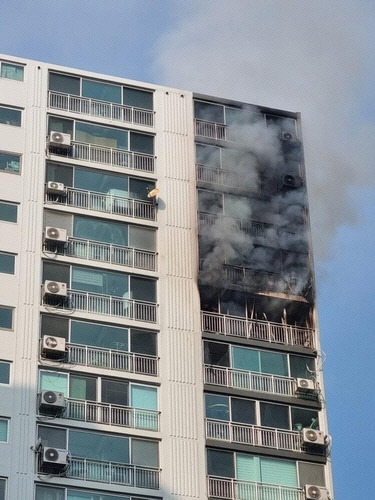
(188, 317)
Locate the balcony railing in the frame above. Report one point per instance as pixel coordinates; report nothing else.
(106, 156)
(258, 330)
(113, 473)
(107, 305)
(106, 203)
(105, 252)
(236, 489)
(278, 439)
(100, 109)
(234, 179)
(112, 359)
(252, 381)
(102, 413)
(213, 130)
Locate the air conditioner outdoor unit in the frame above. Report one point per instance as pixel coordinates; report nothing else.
(56, 188)
(305, 385)
(55, 288)
(313, 492)
(293, 181)
(59, 139)
(51, 400)
(55, 234)
(313, 437)
(53, 346)
(55, 456)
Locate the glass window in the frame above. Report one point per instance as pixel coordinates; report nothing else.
(12, 71)
(273, 415)
(10, 116)
(220, 463)
(247, 468)
(302, 418)
(115, 392)
(82, 495)
(142, 143)
(142, 238)
(7, 261)
(97, 281)
(101, 91)
(49, 493)
(10, 163)
(4, 372)
(4, 430)
(52, 437)
(97, 230)
(143, 342)
(208, 155)
(8, 212)
(281, 472)
(243, 411)
(56, 272)
(81, 387)
(301, 366)
(311, 474)
(64, 83)
(2, 488)
(6, 318)
(62, 125)
(217, 407)
(139, 189)
(98, 335)
(99, 446)
(209, 112)
(143, 289)
(273, 362)
(138, 98)
(144, 397)
(245, 359)
(54, 381)
(210, 202)
(57, 326)
(60, 173)
(100, 182)
(216, 353)
(145, 453)
(102, 136)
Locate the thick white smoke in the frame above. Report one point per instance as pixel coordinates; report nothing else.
(295, 55)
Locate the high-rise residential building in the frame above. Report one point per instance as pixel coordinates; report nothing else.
(158, 331)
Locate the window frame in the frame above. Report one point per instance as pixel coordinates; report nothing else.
(14, 204)
(5, 479)
(17, 65)
(112, 494)
(14, 255)
(7, 420)
(11, 308)
(19, 166)
(14, 108)
(2, 384)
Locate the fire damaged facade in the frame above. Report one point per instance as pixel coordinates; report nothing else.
(157, 297)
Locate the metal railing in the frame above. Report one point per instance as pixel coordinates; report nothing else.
(252, 381)
(245, 490)
(113, 473)
(105, 252)
(107, 156)
(213, 130)
(112, 359)
(100, 109)
(107, 203)
(278, 439)
(107, 305)
(255, 329)
(110, 414)
(219, 176)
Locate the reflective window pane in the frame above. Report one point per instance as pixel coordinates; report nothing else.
(12, 71)
(141, 143)
(9, 116)
(60, 173)
(7, 262)
(52, 437)
(99, 446)
(144, 397)
(243, 411)
(101, 91)
(245, 359)
(301, 366)
(54, 381)
(4, 430)
(64, 83)
(2, 489)
(8, 212)
(302, 417)
(82, 387)
(220, 463)
(143, 289)
(208, 155)
(10, 163)
(57, 326)
(217, 407)
(98, 335)
(97, 281)
(209, 112)
(143, 342)
(274, 362)
(138, 98)
(49, 493)
(145, 453)
(4, 372)
(100, 182)
(216, 353)
(6, 318)
(139, 189)
(142, 238)
(115, 392)
(62, 125)
(273, 415)
(98, 230)
(102, 136)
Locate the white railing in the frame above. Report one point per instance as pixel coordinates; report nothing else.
(112, 359)
(113, 473)
(108, 305)
(213, 130)
(101, 109)
(245, 490)
(102, 413)
(105, 252)
(252, 381)
(219, 176)
(254, 329)
(107, 156)
(278, 439)
(107, 203)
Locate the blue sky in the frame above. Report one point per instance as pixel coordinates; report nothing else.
(314, 57)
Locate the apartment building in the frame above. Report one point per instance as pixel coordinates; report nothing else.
(158, 329)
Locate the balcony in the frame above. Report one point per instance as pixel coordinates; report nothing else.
(250, 381)
(113, 473)
(254, 329)
(212, 130)
(107, 305)
(109, 414)
(106, 156)
(105, 252)
(112, 359)
(106, 203)
(236, 489)
(234, 179)
(100, 109)
(277, 439)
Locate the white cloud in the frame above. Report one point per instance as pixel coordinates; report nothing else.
(291, 54)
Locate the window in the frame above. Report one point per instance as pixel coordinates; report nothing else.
(56, 493)
(2, 488)
(64, 83)
(10, 162)
(138, 98)
(6, 318)
(4, 430)
(12, 71)
(4, 372)
(230, 409)
(7, 261)
(8, 211)
(10, 116)
(101, 91)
